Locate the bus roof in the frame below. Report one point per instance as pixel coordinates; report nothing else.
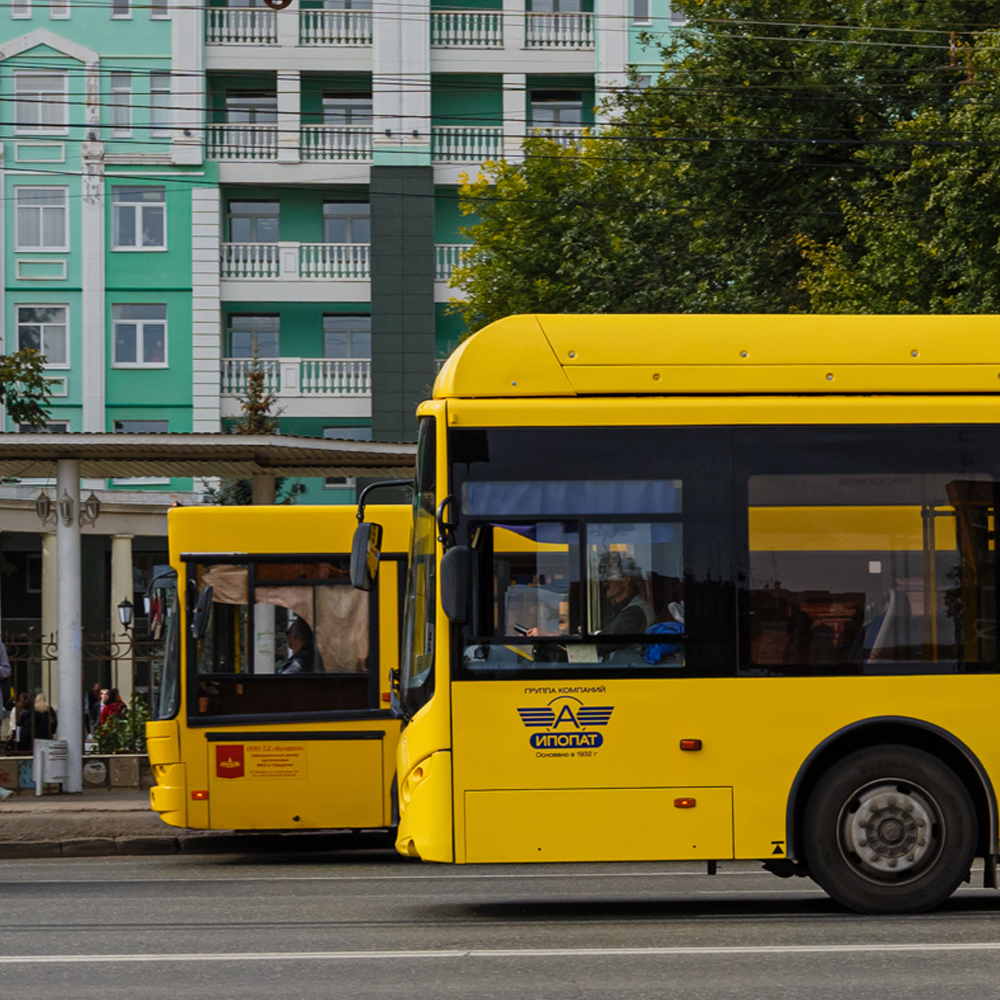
(587, 355)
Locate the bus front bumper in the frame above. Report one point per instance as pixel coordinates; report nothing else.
(425, 808)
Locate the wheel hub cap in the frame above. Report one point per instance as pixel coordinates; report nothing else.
(890, 831)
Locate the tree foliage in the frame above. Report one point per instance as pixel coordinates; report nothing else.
(24, 389)
(745, 177)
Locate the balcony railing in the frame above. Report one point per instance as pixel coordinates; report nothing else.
(462, 144)
(235, 371)
(249, 260)
(242, 142)
(447, 256)
(240, 26)
(335, 261)
(335, 142)
(565, 135)
(335, 27)
(559, 31)
(322, 261)
(284, 377)
(467, 29)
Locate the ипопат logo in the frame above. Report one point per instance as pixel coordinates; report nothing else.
(567, 720)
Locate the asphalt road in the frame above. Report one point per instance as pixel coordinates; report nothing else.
(371, 925)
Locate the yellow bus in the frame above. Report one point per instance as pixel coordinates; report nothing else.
(274, 710)
(709, 588)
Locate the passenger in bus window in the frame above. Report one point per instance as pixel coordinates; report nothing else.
(621, 578)
(301, 655)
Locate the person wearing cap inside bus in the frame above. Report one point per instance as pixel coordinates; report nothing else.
(631, 615)
(620, 576)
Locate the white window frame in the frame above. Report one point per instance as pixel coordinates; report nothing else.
(139, 325)
(20, 10)
(59, 10)
(117, 91)
(60, 129)
(18, 306)
(139, 206)
(18, 208)
(160, 129)
(638, 16)
(159, 10)
(115, 15)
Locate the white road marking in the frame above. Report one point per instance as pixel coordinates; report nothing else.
(351, 956)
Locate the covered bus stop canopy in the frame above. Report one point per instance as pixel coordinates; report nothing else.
(70, 457)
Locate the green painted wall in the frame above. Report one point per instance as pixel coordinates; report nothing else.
(474, 99)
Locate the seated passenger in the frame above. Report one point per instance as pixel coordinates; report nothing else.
(301, 655)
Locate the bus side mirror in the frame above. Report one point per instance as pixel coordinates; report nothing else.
(365, 555)
(202, 612)
(455, 584)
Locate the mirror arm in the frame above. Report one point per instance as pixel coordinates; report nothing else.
(375, 486)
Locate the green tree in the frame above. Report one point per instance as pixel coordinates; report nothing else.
(922, 235)
(24, 389)
(750, 142)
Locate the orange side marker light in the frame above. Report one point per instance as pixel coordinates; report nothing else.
(690, 744)
(199, 794)
(685, 803)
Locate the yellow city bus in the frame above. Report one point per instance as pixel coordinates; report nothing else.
(274, 708)
(709, 588)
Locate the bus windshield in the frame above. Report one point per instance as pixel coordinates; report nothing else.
(417, 654)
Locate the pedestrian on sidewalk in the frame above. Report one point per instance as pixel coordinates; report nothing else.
(94, 702)
(44, 719)
(20, 722)
(113, 706)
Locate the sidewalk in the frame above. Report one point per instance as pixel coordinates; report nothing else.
(98, 823)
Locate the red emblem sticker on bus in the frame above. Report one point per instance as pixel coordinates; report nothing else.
(229, 762)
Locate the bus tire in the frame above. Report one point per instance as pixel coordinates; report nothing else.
(889, 829)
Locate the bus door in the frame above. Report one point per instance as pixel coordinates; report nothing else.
(282, 683)
(570, 703)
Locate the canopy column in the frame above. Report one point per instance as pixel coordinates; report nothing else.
(70, 637)
(121, 589)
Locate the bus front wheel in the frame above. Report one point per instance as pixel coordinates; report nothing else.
(889, 829)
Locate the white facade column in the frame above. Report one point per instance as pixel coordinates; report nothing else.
(50, 613)
(611, 36)
(206, 314)
(513, 24)
(70, 634)
(515, 118)
(287, 24)
(289, 116)
(92, 337)
(187, 61)
(121, 588)
(401, 81)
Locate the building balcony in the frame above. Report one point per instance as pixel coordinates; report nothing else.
(455, 29)
(302, 386)
(304, 261)
(303, 272)
(259, 26)
(341, 144)
(559, 31)
(467, 29)
(242, 142)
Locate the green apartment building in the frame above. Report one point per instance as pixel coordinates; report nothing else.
(188, 189)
